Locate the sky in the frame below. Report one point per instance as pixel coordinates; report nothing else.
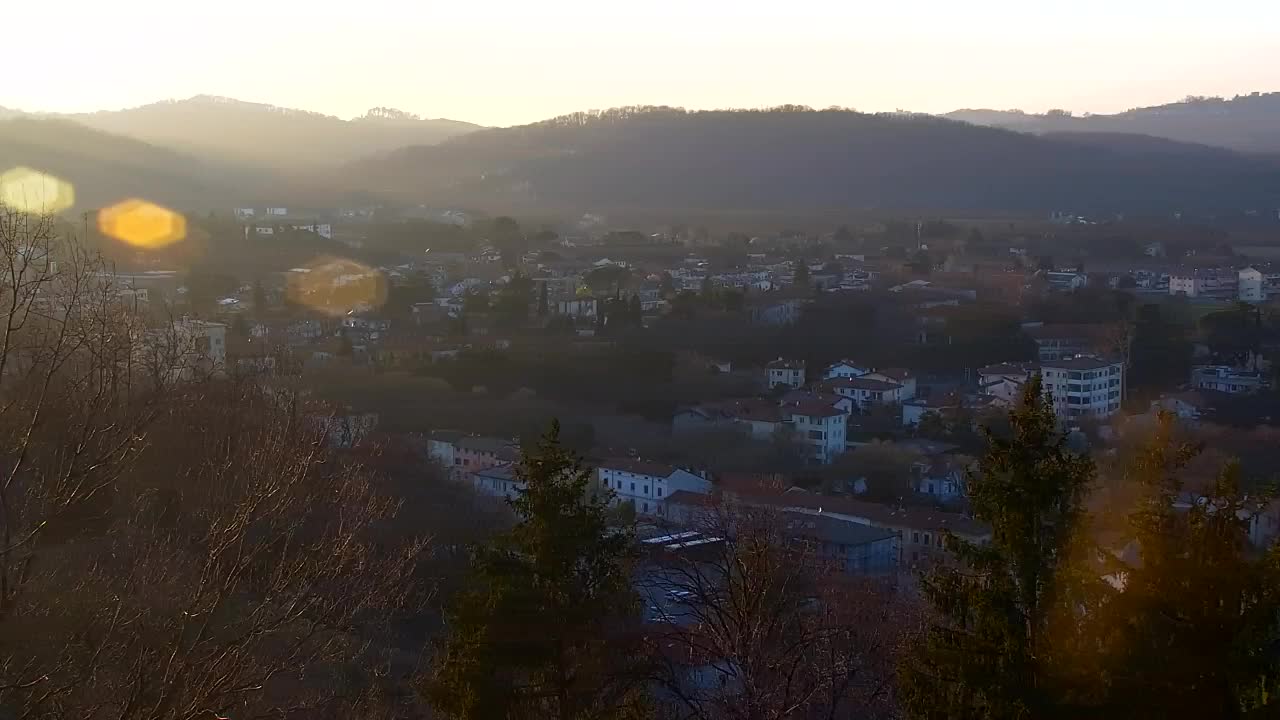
(510, 62)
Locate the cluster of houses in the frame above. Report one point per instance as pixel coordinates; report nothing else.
(861, 537)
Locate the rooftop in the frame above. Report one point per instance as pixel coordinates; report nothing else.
(638, 467)
(862, 383)
(827, 528)
(1080, 362)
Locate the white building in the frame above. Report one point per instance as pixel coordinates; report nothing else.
(845, 369)
(786, 372)
(1004, 381)
(1084, 386)
(866, 391)
(821, 428)
(647, 485)
(1226, 379)
(1218, 284)
(1256, 286)
(498, 481)
(899, 376)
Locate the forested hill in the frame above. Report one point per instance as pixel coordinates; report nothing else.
(269, 136)
(105, 168)
(795, 158)
(1249, 123)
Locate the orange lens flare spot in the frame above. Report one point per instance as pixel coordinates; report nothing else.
(337, 286)
(142, 224)
(31, 191)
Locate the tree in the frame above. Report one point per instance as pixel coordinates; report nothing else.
(166, 551)
(781, 633)
(801, 276)
(542, 300)
(531, 637)
(475, 301)
(885, 467)
(509, 239)
(345, 348)
(1160, 353)
(636, 312)
(991, 652)
(667, 286)
(1192, 630)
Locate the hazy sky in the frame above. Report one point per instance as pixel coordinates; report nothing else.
(509, 62)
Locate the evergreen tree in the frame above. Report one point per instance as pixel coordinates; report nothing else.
(533, 636)
(636, 311)
(542, 301)
(990, 654)
(667, 287)
(1194, 628)
(801, 277)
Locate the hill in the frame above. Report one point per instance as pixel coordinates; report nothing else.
(106, 168)
(1248, 123)
(795, 158)
(269, 136)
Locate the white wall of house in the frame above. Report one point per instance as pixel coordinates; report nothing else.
(793, 377)
(823, 435)
(844, 370)
(648, 492)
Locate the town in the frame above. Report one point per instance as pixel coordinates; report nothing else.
(845, 375)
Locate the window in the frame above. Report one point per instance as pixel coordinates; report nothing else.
(633, 487)
(659, 492)
(939, 541)
(646, 489)
(816, 435)
(915, 538)
(646, 507)
(926, 538)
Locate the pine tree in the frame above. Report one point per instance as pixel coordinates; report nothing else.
(801, 276)
(636, 312)
(1193, 629)
(533, 637)
(990, 653)
(542, 301)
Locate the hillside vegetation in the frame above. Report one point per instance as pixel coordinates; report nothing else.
(1249, 123)
(796, 158)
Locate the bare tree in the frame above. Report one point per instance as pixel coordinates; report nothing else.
(170, 550)
(765, 629)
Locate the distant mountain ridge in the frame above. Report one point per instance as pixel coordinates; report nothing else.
(1247, 123)
(795, 158)
(268, 135)
(105, 168)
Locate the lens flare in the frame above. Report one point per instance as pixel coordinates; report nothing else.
(337, 286)
(142, 224)
(31, 191)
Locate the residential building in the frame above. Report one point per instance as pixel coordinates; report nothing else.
(845, 369)
(899, 376)
(1057, 341)
(819, 427)
(647, 485)
(865, 391)
(942, 478)
(497, 480)
(786, 372)
(1257, 285)
(442, 448)
(1084, 386)
(1214, 284)
(1004, 381)
(477, 453)
(1227, 379)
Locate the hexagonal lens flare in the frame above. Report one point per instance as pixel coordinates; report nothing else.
(142, 224)
(337, 286)
(32, 191)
